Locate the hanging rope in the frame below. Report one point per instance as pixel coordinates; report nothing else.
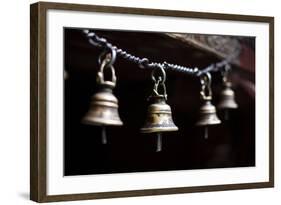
(97, 41)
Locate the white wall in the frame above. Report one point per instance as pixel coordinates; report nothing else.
(14, 102)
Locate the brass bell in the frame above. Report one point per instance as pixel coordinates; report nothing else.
(104, 105)
(207, 113)
(103, 108)
(227, 96)
(159, 114)
(159, 117)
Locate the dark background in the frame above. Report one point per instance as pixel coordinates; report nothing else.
(230, 144)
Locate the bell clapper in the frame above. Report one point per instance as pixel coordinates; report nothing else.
(206, 132)
(103, 135)
(159, 142)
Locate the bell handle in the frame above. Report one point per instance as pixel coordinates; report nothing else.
(109, 56)
(225, 73)
(162, 77)
(107, 63)
(206, 90)
(159, 82)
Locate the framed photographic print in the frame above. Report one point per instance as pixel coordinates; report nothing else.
(134, 102)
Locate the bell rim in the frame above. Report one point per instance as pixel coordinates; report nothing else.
(100, 122)
(159, 129)
(217, 122)
(222, 107)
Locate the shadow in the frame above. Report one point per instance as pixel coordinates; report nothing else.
(24, 195)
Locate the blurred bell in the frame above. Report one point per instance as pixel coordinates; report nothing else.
(208, 115)
(227, 98)
(159, 117)
(65, 75)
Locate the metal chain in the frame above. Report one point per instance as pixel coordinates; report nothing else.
(97, 41)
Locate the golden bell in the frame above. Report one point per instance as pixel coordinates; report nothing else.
(104, 105)
(208, 115)
(227, 98)
(207, 112)
(103, 109)
(159, 116)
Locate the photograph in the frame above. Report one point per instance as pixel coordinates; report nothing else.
(105, 137)
(136, 102)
